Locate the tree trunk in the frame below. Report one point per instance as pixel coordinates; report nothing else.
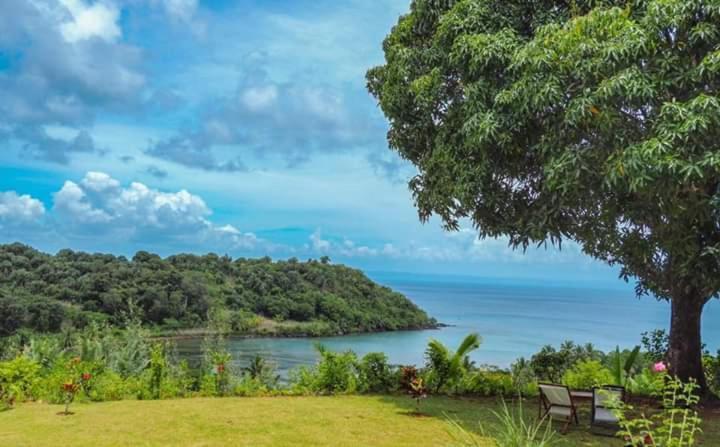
(685, 350)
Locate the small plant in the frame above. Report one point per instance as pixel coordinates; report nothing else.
(69, 389)
(158, 369)
(418, 392)
(261, 371)
(407, 375)
(221, 371)
(623, 370)
(675, 426)
(513, 430)
(447, 367)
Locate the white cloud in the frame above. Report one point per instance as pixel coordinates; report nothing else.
(19, 209)
(100, 205)
(100, 199)
(259, 98)
(182, 10)
(318, 243)
(89, 21)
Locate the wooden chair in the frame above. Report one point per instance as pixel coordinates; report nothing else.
(602, 420)
(556, 402)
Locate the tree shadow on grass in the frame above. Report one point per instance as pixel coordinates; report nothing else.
(477, 416)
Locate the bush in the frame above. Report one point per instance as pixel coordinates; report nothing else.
(489, 383)
(109, 386)
(523, 378)
(587, 374)
(550, 365)
(18, 379)
(647, 383)
(375, 375)
(335, 373)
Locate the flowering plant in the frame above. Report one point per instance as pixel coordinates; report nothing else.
(418, 391)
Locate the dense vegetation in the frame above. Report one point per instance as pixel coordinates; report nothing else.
(101, 363)
(591, 121)
(43, 293)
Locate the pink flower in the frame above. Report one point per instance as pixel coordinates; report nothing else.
(660, 367)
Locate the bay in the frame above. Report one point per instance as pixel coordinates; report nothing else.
(515, 318)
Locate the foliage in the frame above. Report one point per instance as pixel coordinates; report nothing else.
(407, 375)
(676, 426)
(75, 289)
(335, 373)
(656, 344)
(18, 377)
(712, 372)
(484, 382)
(375, 375)
(445, 367)
(523, 376)
(262, 372)
(514, 430)
(550, 365)
(622, 366)
(418, 392)
(591, 121)
(587, 374)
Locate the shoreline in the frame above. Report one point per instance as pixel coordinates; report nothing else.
(186, 334)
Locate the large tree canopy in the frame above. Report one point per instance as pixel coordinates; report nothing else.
(593, 121)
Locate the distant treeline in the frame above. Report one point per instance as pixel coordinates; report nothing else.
(46, 293)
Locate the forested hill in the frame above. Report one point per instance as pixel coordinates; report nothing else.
(42, 292)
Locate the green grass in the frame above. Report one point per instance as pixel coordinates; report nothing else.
(271, 421)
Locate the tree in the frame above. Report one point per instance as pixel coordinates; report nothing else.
(591, 121)
(446, 366)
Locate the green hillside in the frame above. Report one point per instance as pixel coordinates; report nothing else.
(45, 293)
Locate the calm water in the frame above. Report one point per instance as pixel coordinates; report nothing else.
(514, 319)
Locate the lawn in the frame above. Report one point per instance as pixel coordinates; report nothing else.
(270, 421)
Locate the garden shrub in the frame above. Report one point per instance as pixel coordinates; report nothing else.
(489, 383)
(18, 379)
(647, 383)
(375, 375)
(335, 373)
(586, 374)
(109, 386)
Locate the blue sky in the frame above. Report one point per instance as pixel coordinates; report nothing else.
(241, 127)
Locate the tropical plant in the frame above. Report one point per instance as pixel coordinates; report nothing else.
(446, 367)
(675, 426)
(550, 364)
(622, 367)
(262, 371)
(418, 392)
(523, 377)
(590, 121)
(513, 430)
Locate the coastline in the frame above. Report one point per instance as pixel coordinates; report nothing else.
(192, 333)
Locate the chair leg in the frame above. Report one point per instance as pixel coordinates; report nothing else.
(567, 426)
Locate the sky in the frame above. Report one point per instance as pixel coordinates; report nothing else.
(237, 127)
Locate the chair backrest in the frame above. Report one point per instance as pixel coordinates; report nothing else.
(607, 394)
(556, 394)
